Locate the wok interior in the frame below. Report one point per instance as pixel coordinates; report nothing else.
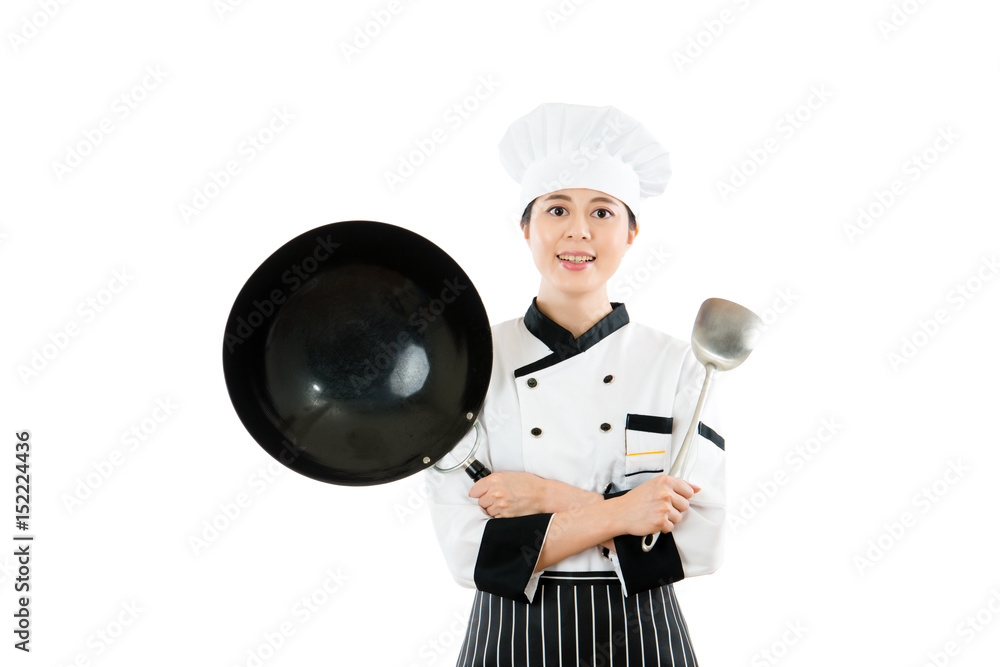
(370, 365)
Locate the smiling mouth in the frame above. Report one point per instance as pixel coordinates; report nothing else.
(577, 259)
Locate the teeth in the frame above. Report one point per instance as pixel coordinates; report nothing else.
(579, 259)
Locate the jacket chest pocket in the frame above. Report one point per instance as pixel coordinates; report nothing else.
(647, 446)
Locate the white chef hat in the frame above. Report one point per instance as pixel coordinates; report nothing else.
(560, 146)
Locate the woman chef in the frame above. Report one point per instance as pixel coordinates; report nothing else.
(585, 412)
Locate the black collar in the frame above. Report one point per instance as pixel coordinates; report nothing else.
(561, 342)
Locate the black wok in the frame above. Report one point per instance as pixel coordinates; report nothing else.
(358, 353)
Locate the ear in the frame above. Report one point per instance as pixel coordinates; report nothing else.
(525, 230)
(631, 236)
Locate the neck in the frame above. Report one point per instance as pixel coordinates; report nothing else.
(574, 312)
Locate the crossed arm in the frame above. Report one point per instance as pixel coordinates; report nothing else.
(584, 519)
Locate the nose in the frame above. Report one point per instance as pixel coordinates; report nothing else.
(578, 226)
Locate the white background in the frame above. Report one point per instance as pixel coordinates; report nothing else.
(838, 303)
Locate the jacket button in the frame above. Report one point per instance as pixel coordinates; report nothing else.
(605, 426)
(532, 382)
(536, 431)
(608, 379)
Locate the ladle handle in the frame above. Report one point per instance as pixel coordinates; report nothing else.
(649, 541)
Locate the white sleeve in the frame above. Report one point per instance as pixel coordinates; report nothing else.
(458, 520)
(700, 535)
(505, 565)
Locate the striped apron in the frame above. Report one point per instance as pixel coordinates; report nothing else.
(578, 618)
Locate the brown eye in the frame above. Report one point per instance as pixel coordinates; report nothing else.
(603, 213)
(557, 211)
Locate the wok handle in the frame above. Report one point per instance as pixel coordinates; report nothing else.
(472, 467)
(675, 470)
(477, 470)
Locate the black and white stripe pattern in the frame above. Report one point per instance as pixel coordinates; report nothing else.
(578, 618)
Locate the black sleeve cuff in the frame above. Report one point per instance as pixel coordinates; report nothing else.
(641, 570)
(508, 554)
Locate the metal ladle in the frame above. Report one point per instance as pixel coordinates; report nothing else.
(724, 335)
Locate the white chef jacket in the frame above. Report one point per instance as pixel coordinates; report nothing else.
(611, 407)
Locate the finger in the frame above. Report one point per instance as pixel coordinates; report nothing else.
(479, 488)
(684, 489)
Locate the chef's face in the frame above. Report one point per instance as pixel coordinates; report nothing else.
(576, 224)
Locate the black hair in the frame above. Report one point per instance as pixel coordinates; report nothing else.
(526, 216)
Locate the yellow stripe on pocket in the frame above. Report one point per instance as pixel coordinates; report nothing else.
(647, 442)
